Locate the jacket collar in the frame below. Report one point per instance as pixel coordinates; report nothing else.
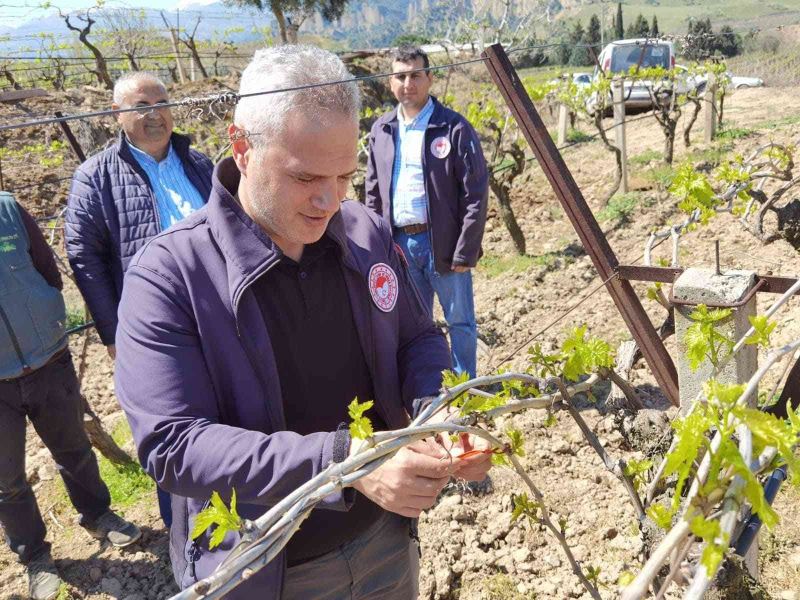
(248, 249)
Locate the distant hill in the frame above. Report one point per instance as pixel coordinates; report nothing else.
(377, 23)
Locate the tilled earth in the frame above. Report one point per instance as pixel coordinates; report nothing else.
(471, 549)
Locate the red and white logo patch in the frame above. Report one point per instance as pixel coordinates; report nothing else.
(383, 286)
(440, 147)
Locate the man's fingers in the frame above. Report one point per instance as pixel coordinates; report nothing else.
(428, 466)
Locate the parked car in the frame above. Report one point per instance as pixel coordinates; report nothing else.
(621, 56)
(742, 83)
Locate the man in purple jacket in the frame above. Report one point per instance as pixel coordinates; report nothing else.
(247, 329)
(427, 176)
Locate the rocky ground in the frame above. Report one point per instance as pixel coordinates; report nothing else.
(470, 548)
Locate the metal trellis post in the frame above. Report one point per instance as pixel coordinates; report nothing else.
(579, 213)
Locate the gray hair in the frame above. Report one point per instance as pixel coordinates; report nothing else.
(129, 80)
(288, 67)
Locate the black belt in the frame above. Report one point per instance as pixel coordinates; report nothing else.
(26, 370)
(414, 228)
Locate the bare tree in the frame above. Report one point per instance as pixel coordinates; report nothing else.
(188, 40)
(129, 33)
(101, 67)
(6, 72)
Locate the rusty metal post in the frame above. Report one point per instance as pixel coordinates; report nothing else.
(73, 142)
(579, 213)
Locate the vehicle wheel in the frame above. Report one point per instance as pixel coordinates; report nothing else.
(744, 86)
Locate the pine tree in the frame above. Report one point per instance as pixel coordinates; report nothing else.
(640, 28)
(579, 55)
(654, 32)
(593, 31)
(619, 30)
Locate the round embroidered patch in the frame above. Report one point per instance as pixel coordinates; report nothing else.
(383, 286)
(440, 147)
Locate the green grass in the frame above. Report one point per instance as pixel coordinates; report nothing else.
(64, 593)
(575, 136)
(126, 484)
(729, 132)
(493, 265)
(75, 317)
(645, 157)
(619, 208)
(673, 14)
(778, 123)
(714, 154)
(662, 175)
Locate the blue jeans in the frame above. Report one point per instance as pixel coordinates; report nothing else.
(454, 291)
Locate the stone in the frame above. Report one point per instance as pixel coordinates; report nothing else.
(95, 574)
(453, 500)
(521, 555)
(789, 595)
(703, 286)
(111, 586)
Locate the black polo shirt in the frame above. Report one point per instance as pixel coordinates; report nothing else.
(321, 366)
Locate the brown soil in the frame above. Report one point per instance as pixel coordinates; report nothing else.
(470, 548)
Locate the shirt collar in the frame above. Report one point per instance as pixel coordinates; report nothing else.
(423, 114)
(141, 155)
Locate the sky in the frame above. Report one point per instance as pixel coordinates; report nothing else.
(15, 12)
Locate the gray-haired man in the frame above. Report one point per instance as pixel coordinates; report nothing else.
(257, 321)
(123, 196)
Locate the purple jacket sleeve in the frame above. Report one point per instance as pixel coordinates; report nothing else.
(473, 179)
(41, 253)
(372, 197)
(89, 253)
(166, 390)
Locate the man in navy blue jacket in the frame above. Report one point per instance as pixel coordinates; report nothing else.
(247, 329)
(123, 196)
(426, 175)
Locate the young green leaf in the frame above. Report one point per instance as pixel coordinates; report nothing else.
(361, 426)
(763, 329)
(661, 515)
(217, 514)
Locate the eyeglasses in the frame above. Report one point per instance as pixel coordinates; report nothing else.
(149, 109)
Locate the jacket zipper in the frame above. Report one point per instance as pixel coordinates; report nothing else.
(14, 340)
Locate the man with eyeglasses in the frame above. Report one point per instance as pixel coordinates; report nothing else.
(121, 197)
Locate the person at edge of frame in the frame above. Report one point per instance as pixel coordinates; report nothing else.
(426, 175)
(38, 382)
(121, 197)
(257, 320)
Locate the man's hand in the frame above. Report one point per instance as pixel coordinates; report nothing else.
(475, 466)
(459, 268)
(112, 351)
(410, 481)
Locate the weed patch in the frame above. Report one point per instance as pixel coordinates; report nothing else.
(575, 136)
(127, 484)
(645, 157)
(493, 265)
(619, 208)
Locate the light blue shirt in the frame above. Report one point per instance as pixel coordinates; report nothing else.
(176, 196)
(409, 201)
